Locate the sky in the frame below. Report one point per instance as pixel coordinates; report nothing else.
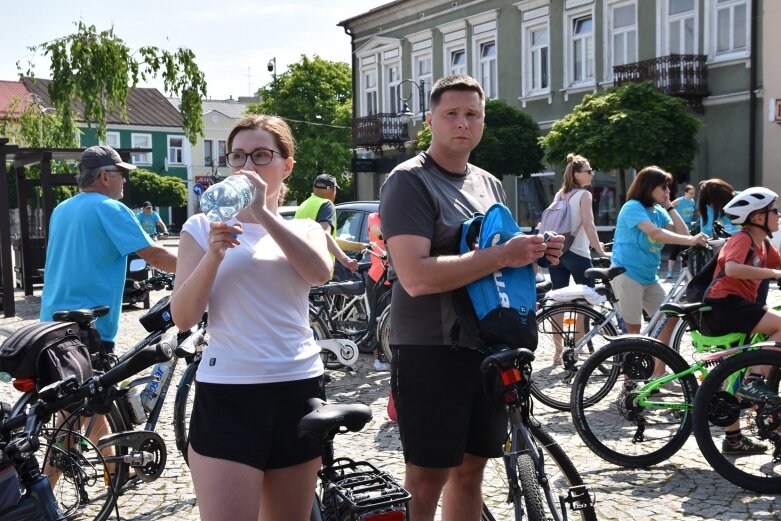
(233, 40)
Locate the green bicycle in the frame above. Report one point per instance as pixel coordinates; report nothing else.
(629, 419)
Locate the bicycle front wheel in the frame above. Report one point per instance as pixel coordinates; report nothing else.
(560, 349)
(183, 408)
(383, 334)
(563, 478)
(717, 408)
(615, 415)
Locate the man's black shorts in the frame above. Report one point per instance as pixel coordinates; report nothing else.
(442, 409)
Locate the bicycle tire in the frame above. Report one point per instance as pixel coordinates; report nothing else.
(614, 427)
(81, 483)
(383, 334)
(321, 332)
(714, 407)
(551, 384)
(530, 488)
(183, 407)
(562, 476)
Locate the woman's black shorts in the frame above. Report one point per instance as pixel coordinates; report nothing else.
(254, 424)
(443, 411)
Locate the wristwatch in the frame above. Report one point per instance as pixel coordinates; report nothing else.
(670, 208)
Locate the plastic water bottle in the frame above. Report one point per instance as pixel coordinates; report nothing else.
(224, 200)
(135, 407)
(160, 373)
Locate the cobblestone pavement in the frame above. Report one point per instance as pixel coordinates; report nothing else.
(682, 488)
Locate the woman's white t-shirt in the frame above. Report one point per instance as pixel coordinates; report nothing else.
(258, 311)
(580, 245)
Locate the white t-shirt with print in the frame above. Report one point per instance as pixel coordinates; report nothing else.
(258, 311)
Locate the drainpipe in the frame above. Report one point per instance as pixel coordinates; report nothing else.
(752, 100)
(353, 72)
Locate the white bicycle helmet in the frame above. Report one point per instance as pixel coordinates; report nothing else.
(747, 202)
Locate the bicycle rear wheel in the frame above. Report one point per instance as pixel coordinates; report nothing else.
(561, 327)
(605, 408)
(717, 409)
(82, 479)
(383, 334)
(565, 481)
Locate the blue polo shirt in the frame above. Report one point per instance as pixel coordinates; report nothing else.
(90, 237)
(633, 248)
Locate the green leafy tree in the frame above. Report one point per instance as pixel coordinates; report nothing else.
(631, 126)
(146, 185)
(314, 97)
(37, 127)
(97, 70)
(509, 145)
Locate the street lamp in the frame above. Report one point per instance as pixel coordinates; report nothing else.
(405, 111)
(272, 67)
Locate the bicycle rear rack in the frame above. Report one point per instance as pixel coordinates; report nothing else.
(363, 486)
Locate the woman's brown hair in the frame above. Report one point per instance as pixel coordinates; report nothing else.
(575, 164)
(715, 193)
(275, 126)
(646, 181)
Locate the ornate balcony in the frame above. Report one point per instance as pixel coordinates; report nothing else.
(682, 75)
(374, 131)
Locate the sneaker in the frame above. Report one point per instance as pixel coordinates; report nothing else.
(669, 275)
(745, 446)
(757, 391)
(381, 366)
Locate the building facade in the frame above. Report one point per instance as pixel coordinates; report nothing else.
(543, 56)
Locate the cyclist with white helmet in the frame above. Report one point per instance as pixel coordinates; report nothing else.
(744, 262)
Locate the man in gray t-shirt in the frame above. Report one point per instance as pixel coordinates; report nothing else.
(448, 427)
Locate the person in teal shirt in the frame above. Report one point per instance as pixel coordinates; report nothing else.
(685, 205)
(150, 219)
(645, 224)
(714, 194)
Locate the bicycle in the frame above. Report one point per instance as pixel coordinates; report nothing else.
(349, 490)
(631, 420)
(582, 329)
(143, 449)
(80, 461)
(343, 315)
(531, 490)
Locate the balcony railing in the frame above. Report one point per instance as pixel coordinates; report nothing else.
(380, 129)
(683, 75)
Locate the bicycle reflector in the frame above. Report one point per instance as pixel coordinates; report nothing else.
(510, 376)
(24, 385)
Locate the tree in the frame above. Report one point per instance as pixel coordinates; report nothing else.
(146, 185)
(631, 126)
(314, 97)
(509, 145)
(97, 70)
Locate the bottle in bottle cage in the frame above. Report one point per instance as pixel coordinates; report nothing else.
(161, 373)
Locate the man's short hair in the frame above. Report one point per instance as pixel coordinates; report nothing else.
(325, 181)
(146, 204)
(460, 82)
(97, 158)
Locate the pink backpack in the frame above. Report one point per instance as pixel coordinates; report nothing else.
(556, 218)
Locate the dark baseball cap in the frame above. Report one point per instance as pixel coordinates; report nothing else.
(98, 156)
(147, 204)
(325, 181)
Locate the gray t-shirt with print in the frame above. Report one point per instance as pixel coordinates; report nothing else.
(421, 198)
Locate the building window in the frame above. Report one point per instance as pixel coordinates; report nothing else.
(112, 140)
(681, 37)
(458, 61)
(175, 150)
(581, 50)
(423, 76)
(622, 39)
(208, 152)
(487, 68)
(392, 81)
(731, 26)
(222, 153)
(141, 141)
(537, 79)
(369, 83)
